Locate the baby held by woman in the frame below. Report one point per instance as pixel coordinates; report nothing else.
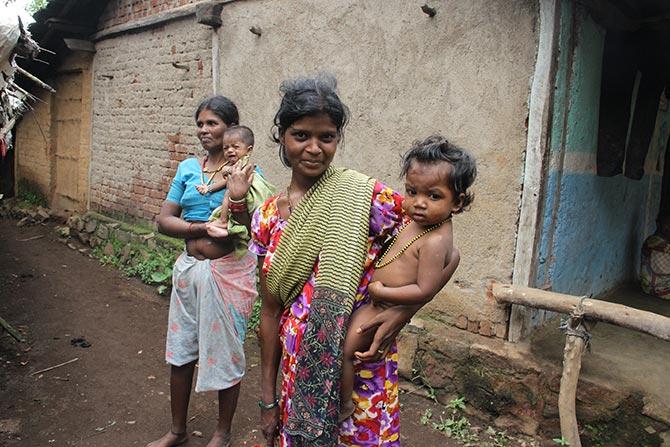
(437, 177)
(238, 142)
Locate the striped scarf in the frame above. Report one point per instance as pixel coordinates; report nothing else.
(331, 224)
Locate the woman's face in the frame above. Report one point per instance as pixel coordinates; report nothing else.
(210, 130)
(310, 144)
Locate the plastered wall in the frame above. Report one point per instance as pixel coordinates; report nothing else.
(593, 227)
(464, 73)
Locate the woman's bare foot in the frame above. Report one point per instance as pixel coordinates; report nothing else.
(170, 439)
(346, 409)
(220, 439)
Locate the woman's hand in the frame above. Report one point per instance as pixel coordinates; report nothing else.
(390, 321)
(270, 425)
(386, 324)
(239, 181)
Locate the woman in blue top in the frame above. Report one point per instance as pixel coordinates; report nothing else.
(213, 290)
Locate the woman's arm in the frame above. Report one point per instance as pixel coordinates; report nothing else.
(390, 321)
(171, 224)
(271, 311)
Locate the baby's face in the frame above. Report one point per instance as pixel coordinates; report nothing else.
(428, 198)
(234, 148)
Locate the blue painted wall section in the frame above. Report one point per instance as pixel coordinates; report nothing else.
(592, 227)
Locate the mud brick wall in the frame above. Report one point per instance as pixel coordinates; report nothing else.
(146, 87)
(33, 144)
(119, 12)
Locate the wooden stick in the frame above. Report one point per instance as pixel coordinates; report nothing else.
(618, 314)
(575, 344)
(13, 332)
(35, 79)
(55, 366)
(39, 236)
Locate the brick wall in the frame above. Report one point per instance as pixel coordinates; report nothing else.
(123, 11)
(146, 87)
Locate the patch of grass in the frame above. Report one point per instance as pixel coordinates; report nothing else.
(153, 267)
(456, 425)
(496, 438)
(418, 377)
(255, 318)
(30, 194)
(599, 435)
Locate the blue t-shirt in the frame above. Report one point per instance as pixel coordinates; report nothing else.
(195, 207)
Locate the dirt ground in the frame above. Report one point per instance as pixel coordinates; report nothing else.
(116, 392)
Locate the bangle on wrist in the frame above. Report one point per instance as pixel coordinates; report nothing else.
(237, 207)
(242, 200)
(270, 406)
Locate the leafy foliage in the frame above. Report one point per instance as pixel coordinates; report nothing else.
(457, 426)
(30, 194)
(36, 5)
(152, 267)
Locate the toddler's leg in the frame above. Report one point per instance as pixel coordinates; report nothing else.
(225, 209)
(219, 227)
(353, 342)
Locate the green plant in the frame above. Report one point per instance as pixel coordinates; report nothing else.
(457, 428)
(36, 5)
(30, 194)
(426, 416)
(152, 267)
(561, 441)
(255, 318)
(457, 404)
(496, 438)
(418, 377)
(598, 434)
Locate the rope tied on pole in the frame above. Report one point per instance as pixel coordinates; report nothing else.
(574, 325)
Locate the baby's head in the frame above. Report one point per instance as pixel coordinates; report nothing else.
(238, 141)
(437, 177)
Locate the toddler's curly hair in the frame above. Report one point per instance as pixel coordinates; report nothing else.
(435, 149)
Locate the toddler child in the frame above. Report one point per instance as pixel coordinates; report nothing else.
(238, 143)
(437, 177)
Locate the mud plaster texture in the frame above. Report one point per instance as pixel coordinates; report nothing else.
(464, 73)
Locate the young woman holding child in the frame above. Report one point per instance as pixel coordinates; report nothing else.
(317, 243)
(213, 289)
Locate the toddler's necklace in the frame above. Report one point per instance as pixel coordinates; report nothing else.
(380, 264)
(206, 171)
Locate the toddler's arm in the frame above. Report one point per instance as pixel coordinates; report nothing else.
(430, 278)
(218, 186)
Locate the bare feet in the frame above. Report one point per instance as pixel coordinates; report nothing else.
(217, 229)
(346, 409)
(220, 439)
(170, 439)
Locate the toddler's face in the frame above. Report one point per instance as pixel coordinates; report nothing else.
(428, 198)
(234, 148)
